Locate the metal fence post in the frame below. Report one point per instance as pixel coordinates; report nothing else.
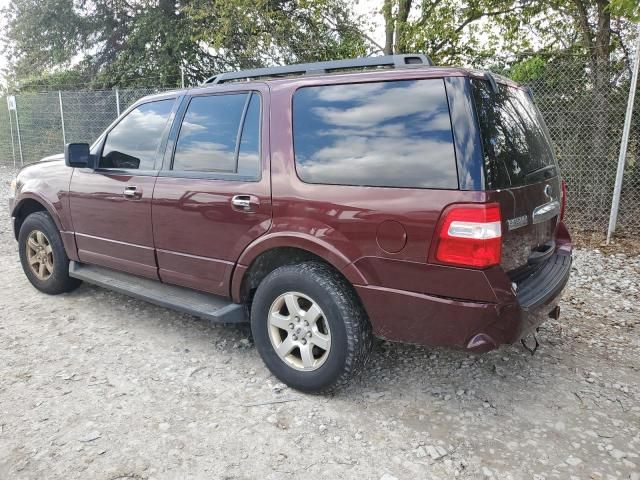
(13, 146)
(64, 136)
(117, 102)
(615, 203)
(18, 130)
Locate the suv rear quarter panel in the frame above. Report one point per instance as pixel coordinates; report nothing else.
(352, 224)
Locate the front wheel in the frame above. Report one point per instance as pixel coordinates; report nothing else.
(44, 261)
(309, 327)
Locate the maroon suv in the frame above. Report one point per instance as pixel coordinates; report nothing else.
(324, 203)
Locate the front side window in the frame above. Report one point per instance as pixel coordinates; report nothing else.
(388, 134)
(133, 143)
(220, 133)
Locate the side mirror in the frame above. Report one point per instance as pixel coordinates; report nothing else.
(77, 155)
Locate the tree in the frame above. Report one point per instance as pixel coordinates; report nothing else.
(453, 31)
(478, 32)
(42, 34)
(146, 42)
(253, 33)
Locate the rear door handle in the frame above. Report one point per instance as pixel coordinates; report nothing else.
(245, 203)
(132, 192)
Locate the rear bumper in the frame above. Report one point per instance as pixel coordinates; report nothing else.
(435, 321)
(539, 293)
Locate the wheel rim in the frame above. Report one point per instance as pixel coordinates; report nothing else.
(39, 255)
(299, 331)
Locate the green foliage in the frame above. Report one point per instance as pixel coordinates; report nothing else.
(252, 33)
(528, 70)
(485, 32)
(118, 42)
(44, 34)
(459, 31)
(626, 8)
(103, 43)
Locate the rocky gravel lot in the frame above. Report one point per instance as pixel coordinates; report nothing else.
(96, 385)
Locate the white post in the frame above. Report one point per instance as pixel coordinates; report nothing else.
(19, 139)
(182, 75)
(64, 135)
(13, 145)
(617, 189)
(117, 101)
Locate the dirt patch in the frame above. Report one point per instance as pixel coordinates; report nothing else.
(96, 385)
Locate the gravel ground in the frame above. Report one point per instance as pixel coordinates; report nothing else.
(96, 385)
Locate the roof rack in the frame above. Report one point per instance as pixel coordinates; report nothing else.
(391, 61)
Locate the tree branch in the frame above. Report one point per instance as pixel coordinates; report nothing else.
(583, 21)
(625, 51)
(357, 30)
(474, 18)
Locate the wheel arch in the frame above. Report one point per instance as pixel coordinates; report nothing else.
(262, 258)
(28, 205)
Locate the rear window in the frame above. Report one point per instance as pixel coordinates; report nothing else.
(515, 141)
(388, 134)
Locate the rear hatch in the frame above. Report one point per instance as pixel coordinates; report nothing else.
(521, 173)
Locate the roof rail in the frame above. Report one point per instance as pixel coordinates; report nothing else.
(392, 61)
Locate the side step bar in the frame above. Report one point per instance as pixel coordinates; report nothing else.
(204, 305)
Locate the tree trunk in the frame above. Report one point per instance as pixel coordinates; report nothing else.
(404, 6)
(598, 46)
(389, 26)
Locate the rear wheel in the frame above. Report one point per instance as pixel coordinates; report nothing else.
(44, 261)
(309, 327)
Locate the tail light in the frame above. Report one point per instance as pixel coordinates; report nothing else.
(563, 200)
(470, 235)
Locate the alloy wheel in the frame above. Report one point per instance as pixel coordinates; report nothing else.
(299, 331)
(39, 255)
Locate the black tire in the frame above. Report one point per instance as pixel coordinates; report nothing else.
(349, 326)
(58, 281)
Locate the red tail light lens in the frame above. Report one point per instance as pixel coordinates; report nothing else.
(563, 200)
(470, 236)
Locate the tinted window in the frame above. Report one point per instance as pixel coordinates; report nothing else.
(395, 134)
(134, 141)
(516, 147)
(249, 154)
(209, 140)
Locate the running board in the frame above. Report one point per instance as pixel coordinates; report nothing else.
(204, 305)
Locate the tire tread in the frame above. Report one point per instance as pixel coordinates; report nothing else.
(61, 281)
(356, 322)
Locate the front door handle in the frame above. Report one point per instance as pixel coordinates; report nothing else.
(132, 192)
(245, 203)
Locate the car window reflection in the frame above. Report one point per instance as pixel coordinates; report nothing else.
(207, 140)
(134, 141)
(395, 134)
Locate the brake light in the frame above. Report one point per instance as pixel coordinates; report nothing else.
(470, 235)
(563, 200)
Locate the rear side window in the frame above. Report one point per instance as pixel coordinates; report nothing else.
(515, 141)
(387, 134)
(134, 141)
(220, 133)
(249, 150)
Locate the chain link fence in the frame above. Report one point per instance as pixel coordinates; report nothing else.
(48, 120)
(585, 124)
(585, 121)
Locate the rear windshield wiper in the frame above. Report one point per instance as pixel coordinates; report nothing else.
(539, 170)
